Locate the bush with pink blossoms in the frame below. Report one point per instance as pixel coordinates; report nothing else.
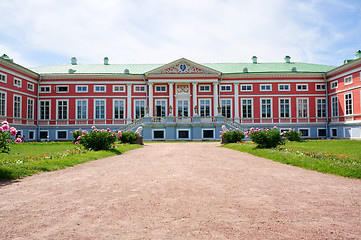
(266, 138)
(232, 136)
(95, 139)
(5, 136)
(128, 136)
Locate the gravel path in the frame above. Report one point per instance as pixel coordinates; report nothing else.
(181, 191)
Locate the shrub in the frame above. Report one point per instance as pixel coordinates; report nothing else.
(77, 133)
(97, 139)
(232, 136)
(292, 135)
(267, 138)
(5, 136)
(128, 137)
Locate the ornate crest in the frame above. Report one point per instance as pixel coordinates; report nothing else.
(183, 68)
(182, 89)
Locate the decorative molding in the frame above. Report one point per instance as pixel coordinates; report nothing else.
(92, 76)
(19, 68)
(344, 67)
(182, 89)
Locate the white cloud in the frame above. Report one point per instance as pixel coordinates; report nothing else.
(161, 31)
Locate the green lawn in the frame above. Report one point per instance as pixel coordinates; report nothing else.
(30, 158)
(338, 157)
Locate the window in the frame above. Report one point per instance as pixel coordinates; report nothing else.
(246, 88)
(204, 107)
(321, 107)
(266, 87)
(44, 109)
(348, 80)
(302, 107)
(118, 109)
(302, 87)
(304, 131)
(30, 87)
(334, 106)
(283, 87)
(348, 103)
(183, 108)
(204, 88)
(99, 108)
(99, 88)
(333, 132)
(44, 134)
(31, 135)
(139, 108)
(62, 89)
(62, 109)
(17, 106)
(158, 134)
(2, 103)
(208, 133)
(81, 109)
(160, 88)
(266, 107)
(139, 88)
(285, 107)
(226, 108)
(45, 89)
(320, 87)
(334, 84)
(183, 134)
(226, 88)
(30, 108)
(61, 134)
(160, 108)
(247, 108)
(321, 132)
(118, 88)
(81, 88)
(2, 78)
(17, 82)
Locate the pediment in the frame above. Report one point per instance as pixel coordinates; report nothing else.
(183, 66)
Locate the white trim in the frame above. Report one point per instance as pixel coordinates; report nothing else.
(21, 103)
(134, 107)
(76, 109)
(338, 109)
(316, 109)
(308, 107)
(199, 107)
(302, 89)
(105, 109)
(124, 110)
(209, 129)
(18, 75)
(318, 135)
(47, 134)
(332, 133)
(260, 108)
(45, 86)
(184, 129)
(160, 86)
(308, 129)
(5, 76)
(27, 107)
(334, 84)
(122, 88)
(100, 86)
(20, 82)
(166, 105)
(30, 84)
(321, 85)
(252, 108)
(39, 111)
(57, 108)
(246, 85)
(59, 86)
(6, 103)
(226, 85)
(81, 86)
(345, 106)
(231, 99)
(66, 134)
(204, 85)
(344, 131)
(265, 85)
(345, 90)
(33, 134)
(344, 74)
(274, 80)
(346, 78)
(163, 130)
(284, 90)
(141, 91)
(16, 91)
(289, 108)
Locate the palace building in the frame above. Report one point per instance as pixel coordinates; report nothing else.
(182, 100)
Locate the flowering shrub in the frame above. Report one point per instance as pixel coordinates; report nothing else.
(77, 133)
(267, 138)
(5, 136)
(128, 136)
(232, 136)
(96, 139)
(292, 135)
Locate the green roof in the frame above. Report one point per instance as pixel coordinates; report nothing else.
(226, 68)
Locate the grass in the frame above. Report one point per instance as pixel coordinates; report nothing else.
(338, 157)
(31, 158)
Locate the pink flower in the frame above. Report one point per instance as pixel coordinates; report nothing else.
(275, 127)
(18, 140)
(237, 129)
(5, 123)
(13, 131)
(1, 129)
(78, 138)
(67, 151)
(76, 143)
(83, 132)
(5, 127)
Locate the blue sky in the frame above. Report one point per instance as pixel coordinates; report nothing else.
(46, 32)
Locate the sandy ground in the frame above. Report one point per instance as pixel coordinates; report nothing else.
(181, 191)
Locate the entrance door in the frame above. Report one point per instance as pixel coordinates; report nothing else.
(183, 108)
(160, 109)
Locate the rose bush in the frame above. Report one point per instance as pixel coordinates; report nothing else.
(266, 138)
(5, 136)
(232, 136)
(292, 135)
(95, 139)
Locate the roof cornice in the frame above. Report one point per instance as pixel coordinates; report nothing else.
(272, 75)
(19, 68)
(91, 76)
(344, 67)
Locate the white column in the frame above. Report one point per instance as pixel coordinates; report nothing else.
(129, 102)
(215, 98)
(236, 101)
(170, 86)
(194, 99)
(150, 104)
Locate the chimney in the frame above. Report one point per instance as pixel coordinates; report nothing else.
(106, 61)
(288, 59)
(358, 54)
(73, 61)
(254, 59)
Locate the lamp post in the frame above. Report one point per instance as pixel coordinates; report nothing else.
(195, 110)
(219, 108)
(170, 110)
